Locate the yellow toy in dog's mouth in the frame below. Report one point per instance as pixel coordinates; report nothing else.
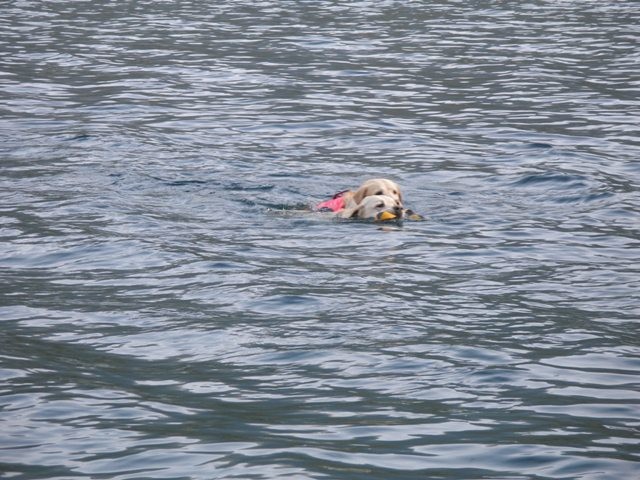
(408, 215)
(382, 216)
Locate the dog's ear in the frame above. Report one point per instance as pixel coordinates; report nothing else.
(360, 194)
(355, 213)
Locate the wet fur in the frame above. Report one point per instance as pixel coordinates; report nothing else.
(374, 186)
(371, 206)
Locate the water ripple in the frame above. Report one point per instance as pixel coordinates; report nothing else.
(168, 310)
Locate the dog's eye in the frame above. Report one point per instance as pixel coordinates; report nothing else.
(379, 193)
(395, 192)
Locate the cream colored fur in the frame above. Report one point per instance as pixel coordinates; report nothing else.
(374, 186)
(372, 206)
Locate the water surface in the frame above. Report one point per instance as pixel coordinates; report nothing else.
(166, 314)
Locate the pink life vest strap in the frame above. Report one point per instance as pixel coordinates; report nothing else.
(335, 204)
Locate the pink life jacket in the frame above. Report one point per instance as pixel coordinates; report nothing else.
(335, 204)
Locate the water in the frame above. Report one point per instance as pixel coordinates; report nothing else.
(166, 313)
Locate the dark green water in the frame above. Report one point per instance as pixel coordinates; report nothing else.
(164, 314)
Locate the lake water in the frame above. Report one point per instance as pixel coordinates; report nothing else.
(165, 311)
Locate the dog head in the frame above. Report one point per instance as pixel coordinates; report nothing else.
(378, 186)
(375, 207)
